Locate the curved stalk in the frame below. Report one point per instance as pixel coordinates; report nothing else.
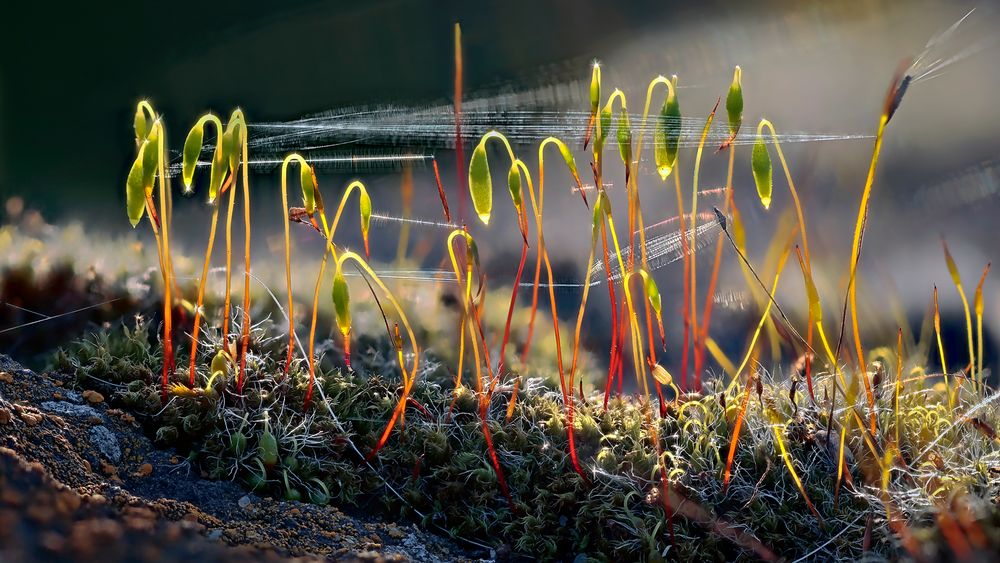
(330, 248)
(245, 329)
(168, 275)
(288, 246)
(540, 244)
(567, 391)
(408, 377)
(734, 440)
(484, 393)
(695, 336)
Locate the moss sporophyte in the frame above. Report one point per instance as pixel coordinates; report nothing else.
(681, 443)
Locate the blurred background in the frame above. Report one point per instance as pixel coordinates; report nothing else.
(70, 77)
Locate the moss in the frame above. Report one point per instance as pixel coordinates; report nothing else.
(435, 468)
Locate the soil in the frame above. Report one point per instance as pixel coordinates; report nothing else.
(79, 481)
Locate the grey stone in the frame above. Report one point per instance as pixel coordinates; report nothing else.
(106, 442)
(63, 408)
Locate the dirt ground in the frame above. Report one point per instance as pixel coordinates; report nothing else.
(79, 481)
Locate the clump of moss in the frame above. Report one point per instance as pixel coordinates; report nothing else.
(435, 468)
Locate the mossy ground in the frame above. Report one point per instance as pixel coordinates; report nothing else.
(435, 468)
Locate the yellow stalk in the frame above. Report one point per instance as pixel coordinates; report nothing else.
(288, 251)
(763, 318)
(852, 289)
(245, 329)
(777, 428)
(695, 337)
(720, 356)
(407, 197)
(330, 248)
(229, 265)
(979, 321)
(168, 272)
(957, 279)
(899, 381)
(940, 346)
(467, 306)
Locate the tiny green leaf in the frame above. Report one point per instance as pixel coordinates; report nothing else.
(267, 448)
(480, 183)
(192, 150)
(342, 303)
(135, 193)
(760, 162)
(734, 102)
(667, 135)
(308, 180)
(514, 184)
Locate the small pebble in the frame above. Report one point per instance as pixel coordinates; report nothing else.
(93, 397)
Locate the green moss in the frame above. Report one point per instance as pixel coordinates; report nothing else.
(436, 470)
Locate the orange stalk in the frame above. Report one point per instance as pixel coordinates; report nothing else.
(699, 353)
(733, 441)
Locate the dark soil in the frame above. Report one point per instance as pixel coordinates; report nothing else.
(79, 481)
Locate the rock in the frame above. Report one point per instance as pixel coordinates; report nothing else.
(31, 418)
(69, 409)
(93, 397)
(6, 377)
(106, 442)
(4, 417)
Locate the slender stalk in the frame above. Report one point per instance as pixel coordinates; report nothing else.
(168, 271)
(852, 292)
(330, 248)
(406, 192)
(979, 323)
(201, 295)
(699, 352)
(536, 205)
(459, 145)
(727, 473)
(408, 377)
(199, 302)
(802, 232)
(484, 393)
(695, 336)
(227, 302)
(288, 253)
(940, 346)
(686, 300)
(956, 278)
(245, 331)
(899, 381)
